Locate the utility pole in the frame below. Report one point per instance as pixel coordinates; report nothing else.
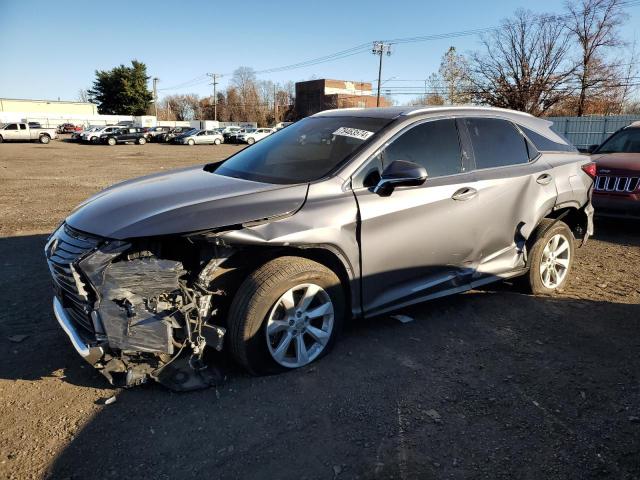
(214, 77)
(380, 49)
(155, 95)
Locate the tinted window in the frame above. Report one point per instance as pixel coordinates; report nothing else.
(544, 144)
(12, 126)
(306, 151)
(496, 143)
(625, 141)
(434, 145)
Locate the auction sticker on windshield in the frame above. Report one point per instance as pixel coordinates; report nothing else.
(353, 133)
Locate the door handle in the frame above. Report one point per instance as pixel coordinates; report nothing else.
(544, 179)
(465, 193)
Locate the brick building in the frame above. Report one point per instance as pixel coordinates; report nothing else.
(313, 96)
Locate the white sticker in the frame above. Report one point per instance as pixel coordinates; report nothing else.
(353, 133)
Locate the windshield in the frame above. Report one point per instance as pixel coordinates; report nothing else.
(303, 152)
(625, 141)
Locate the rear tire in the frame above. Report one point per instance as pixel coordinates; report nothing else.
(44, 139)
(142, 141)
(260, 302)
(217, 141)
(550, 257)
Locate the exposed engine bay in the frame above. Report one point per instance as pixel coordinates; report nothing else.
(153, 306)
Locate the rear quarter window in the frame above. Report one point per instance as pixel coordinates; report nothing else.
(545, 144)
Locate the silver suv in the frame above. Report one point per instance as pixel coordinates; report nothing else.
(345, 213)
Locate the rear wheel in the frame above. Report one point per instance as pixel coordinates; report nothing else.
(285, 315)
(142, 141)
(550, 257)
(217, 141)
(44, 139)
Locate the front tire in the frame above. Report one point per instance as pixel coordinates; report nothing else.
(550, 257)
(191, 143)
(250, 141)
(285, 315)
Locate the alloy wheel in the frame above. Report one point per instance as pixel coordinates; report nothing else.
(299, 325)
(554, 263)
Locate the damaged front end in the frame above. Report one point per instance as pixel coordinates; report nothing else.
(137, 310)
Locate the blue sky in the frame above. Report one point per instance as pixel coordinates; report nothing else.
(51, 49)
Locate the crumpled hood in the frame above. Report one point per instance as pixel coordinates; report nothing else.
(625, 162)
(182, 201)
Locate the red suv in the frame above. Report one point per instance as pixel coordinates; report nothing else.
(617, 186)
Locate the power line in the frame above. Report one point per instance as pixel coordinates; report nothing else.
(362, 48)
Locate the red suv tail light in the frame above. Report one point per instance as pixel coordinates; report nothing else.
(590, 169)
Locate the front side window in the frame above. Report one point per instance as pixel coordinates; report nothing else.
(496, 143)
(434, 145)
(625, 141)
(307, 150)
(23, 126)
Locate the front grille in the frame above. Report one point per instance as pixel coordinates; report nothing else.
(616, 184)
(66, 247)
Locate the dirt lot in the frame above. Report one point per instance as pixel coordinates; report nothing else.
(489, 384)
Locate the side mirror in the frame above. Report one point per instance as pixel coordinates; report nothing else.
(592, 148)
(400, 173)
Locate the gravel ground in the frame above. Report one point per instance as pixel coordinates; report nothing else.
(489, 384)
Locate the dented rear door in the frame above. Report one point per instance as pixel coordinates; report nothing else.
(516, 189)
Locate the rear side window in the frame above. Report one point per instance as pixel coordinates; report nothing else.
(544, 144)
(12, 126)
(496, 143)
(434, 145)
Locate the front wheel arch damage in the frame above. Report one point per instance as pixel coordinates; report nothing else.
(159, 302)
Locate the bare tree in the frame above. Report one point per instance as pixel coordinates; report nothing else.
(455, 77)
(180, 107)
(595, 25)
(629, 73)
(83, 95)
(523, 64)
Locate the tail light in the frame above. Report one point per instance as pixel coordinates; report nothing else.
(590, 169)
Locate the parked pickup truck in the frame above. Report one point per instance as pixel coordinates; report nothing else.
(25, 132)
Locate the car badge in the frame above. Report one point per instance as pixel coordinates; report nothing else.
(605, 171)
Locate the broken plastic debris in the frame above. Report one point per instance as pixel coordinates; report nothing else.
(402, 318)
(434, 415)
(17, 338)
(110, 400)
